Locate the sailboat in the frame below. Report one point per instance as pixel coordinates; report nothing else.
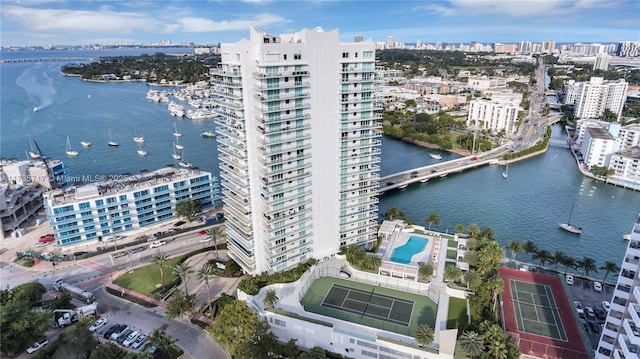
(32, 153)
(184, 163)
(137, 138)
(175, 155)
(111, 142)
(141, 152)
(70, 152)
(570, 227)
(505, 174)
(178, 146)
(175, 131)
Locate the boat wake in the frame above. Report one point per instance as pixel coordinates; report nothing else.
(38, 85)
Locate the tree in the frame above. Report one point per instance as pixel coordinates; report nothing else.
(588, 264)
(474, 279)
(394, 213)
(543, 256)
(270, 298)
(452, 272)
(205, 273)
(569, 262)
(166, 347)
(434, 218)
(425, 270)
(160, 258)
(558, 258)
(472, 343)
(235, 327)
(459, 228)
(514, 247)
(74, 341)
(496, 286)
(180, 304)
(188, 209)
(424, 335)
(19, 325)
(183, 270)
(529, 247)
(473, 229)
(214, 232)
(609, 267)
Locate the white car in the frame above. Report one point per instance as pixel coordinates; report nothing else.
(37, 345)
(131, 338)
(606, 305)
(157, 244)
(98, 324)
(597, 286)
(569, 279)
(579, 308)
(138, 342)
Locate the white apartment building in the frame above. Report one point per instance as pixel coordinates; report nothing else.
(620, 336)
(602, 62)
(598, 95)
(630, 136)
(499, 113)
(571, 91)
(297, 147)
(484, 83)
(97, 211)
(626, 164)
(597, 147)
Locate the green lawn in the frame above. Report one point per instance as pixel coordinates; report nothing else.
(452, 254)
(457, 316)
(144, 279)
(452, 243)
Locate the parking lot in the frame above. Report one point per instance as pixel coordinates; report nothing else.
(583, 292)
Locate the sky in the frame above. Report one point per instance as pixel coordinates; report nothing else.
(81, 22)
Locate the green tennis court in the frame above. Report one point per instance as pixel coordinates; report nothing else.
(369, 304)
(536, 310)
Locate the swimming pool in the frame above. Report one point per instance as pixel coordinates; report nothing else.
(404, 253)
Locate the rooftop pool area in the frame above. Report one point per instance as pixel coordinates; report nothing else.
(404, 253)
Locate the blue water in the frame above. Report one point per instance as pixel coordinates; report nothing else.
(527, 206)
(404, 253)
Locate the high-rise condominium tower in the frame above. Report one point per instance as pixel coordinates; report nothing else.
(297, 150)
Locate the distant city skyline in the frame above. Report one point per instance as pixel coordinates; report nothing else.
(42, 23)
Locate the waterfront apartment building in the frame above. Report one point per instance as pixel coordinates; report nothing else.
(620, 336)
(630, 136)
(599, 95)
(597, 147)
(626, 164)
(97, 211)
(298, 149)
(499, 113)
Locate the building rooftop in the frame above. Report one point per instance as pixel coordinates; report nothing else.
(600, 133)
(632, 152)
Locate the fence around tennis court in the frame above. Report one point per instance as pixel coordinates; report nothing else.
(347, 272)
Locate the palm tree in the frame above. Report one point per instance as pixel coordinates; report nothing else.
(488, 233)
(270, 298)
(472, 343)
(473, 279)
(609, 267)
(373, 261)
(425, 270)
(588, 264)
(161, 340)
(394, 213)
(543, 256)
(473, 229)
(558, 258)
(569, 262)
(459, 228)
(205, 273)
(514, 247)
(183, 270)
(452, 272)
(529, 247)
(160, 258)
(496, 285)
(497, 349)
(434, 218)
(214, 232)
(424, 335)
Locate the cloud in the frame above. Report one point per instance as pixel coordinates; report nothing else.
(524, 8)
(436, 9)
(198, 24)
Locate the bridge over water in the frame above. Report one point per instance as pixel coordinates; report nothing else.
(49, 59)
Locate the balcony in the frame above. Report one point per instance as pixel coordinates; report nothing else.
(236, 105)
(629, 349)
(282, 107)
(288, 209)
(282, 118)
(281, 97)
(282, 129)
(221, 72)
(281, 85)
(632, 331)
(269, 150)
(235, 84)
(263, 75)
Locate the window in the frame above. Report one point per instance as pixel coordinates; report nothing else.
(285, 56)
(297, 56)
(345, 55)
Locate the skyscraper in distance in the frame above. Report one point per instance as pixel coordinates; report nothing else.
(357, 38)
(298, 152)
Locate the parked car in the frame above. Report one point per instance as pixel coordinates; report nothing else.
(157, 244)
(590, 313)
(606, 305)
(47, 238)
(600, 313)
(130, 338)
(597, 286)
(584, 325)
(113, 328)
(594, 326)
(206, 239)
(474, 158)
(98, 324)
(569, 279)
(579, 308)
(37, 345)
(123, 336)
(179, 223)
(116, 333)
(150, 348)
(138, 342)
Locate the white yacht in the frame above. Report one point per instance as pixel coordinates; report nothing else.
(70, 152)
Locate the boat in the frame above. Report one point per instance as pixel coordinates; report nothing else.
(175, 131)
(570, 227)
(424, 180)
(141, 151)
(70, 152)
(435, 156)
(403, 186)
(137, 138)
(33, 153)
(111, 142)
(177, 145)
(208, 134)
(175, 155)
(505, 174)
(443, 175)
(85, 143)
(184, 163)
(627, 237)
(35, 109)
